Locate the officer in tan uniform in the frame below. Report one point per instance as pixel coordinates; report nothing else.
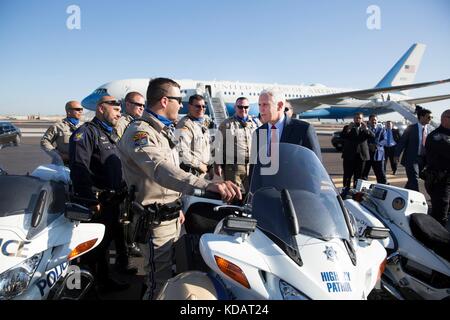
(134, 107)
(151, 165)
(56, 139)
(235, 144)
(194, 138)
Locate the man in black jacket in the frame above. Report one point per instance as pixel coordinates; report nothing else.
(437, 177)
(356, 151)
(96, 173)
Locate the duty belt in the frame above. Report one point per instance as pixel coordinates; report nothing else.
(151, 215)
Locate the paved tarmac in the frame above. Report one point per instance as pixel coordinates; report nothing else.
(26, 157)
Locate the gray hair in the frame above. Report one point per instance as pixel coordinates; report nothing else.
(275, 94)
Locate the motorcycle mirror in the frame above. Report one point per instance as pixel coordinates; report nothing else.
(77, 212)
(376, 233)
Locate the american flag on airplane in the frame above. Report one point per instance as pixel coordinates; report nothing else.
(410, 68)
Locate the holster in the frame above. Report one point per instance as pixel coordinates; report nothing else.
(152, 215)
(112, 197)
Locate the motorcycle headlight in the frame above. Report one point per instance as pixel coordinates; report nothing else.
(288, 292)
(16, 280)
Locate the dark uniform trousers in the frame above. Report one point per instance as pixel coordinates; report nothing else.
(440, 199)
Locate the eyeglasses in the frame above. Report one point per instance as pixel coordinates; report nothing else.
(76, 109)
(137, 104)
(199, 106)
(175, 98)
(113, 103)
(243, 107)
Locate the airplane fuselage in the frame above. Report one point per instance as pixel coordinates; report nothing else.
(229, 91)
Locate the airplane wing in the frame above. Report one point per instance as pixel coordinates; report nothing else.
(428, 99)
(303, 104)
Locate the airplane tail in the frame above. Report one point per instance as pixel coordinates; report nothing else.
(404, 71)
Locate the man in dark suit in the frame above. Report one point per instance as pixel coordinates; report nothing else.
(356, 151)
(278, 128)
(392, 136)
(376, 150)
(412, 144)
(281, 127)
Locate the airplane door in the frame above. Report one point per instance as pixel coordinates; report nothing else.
(208, 89)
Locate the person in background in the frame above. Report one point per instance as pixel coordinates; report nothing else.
(236, 136)
(437, 177)
(412, 145)
(55, 141)
(392, 138)
(134, 107)
(355, 151)
(376, 150)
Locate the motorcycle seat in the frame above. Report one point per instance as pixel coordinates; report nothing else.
(431, 233)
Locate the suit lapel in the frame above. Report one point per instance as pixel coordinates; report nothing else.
(287, 128)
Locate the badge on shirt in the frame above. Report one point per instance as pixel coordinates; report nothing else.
(140, 139)
(78, 136)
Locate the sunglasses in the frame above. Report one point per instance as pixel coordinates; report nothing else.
(113, 103)
(178, 99)
(243, 107)
(76, 109)
(199, 106)
(137, 104)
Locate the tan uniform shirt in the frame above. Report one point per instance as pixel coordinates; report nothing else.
(151, 163)
(236, 139)
(194, 142)
(122, 124)
(56, 139)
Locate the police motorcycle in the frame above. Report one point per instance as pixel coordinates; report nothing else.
(418, 247)
(40, 234)
(293, 239)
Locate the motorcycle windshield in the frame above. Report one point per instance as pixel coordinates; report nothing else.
(19, 194)
(314, 197)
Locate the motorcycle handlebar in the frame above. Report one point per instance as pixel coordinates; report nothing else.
(206, 194)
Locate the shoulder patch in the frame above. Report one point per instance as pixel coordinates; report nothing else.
(78, 136)
(140, 139)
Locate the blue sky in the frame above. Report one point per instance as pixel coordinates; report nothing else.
(43, 64)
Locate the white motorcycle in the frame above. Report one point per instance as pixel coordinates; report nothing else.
(418, 263)
(293, 240)
(40, 234)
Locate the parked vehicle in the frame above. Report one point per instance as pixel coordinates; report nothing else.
(9, 134)
(40, 234)
(292, 240)
(418, 262)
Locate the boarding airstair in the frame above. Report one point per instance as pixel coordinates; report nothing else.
(407, 111)
(217, 107)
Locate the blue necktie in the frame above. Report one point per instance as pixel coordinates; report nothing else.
(389, 138)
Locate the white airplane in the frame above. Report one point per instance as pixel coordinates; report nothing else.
(309, 101)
